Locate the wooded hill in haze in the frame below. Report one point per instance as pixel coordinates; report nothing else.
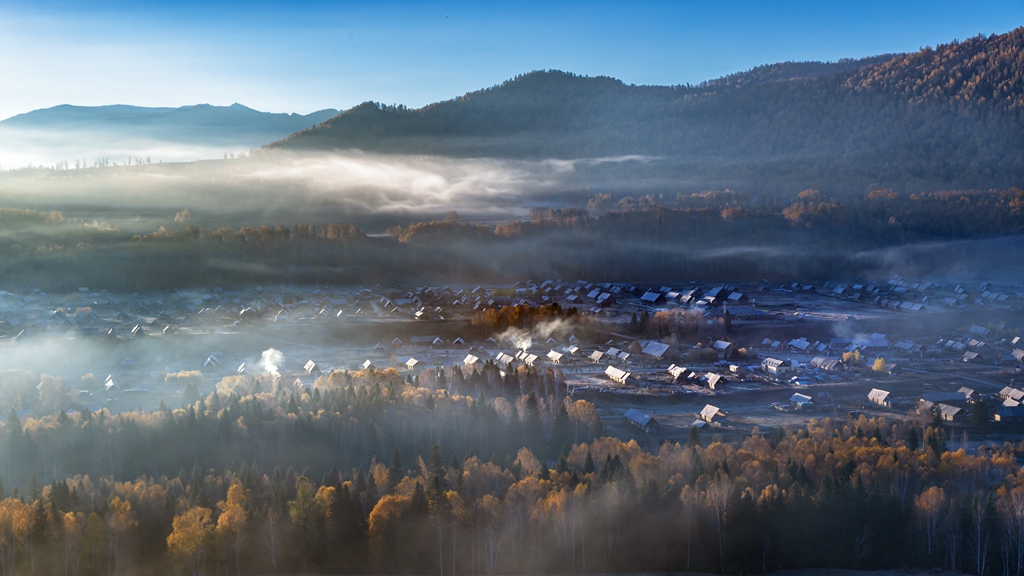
(948, 117)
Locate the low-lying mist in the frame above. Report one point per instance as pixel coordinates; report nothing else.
(282, 187)
(21, 147)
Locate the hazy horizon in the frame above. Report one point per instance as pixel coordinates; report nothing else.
(305, 57)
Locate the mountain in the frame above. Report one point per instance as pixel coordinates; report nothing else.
(949, 116)
(200, 124)
(784, 71)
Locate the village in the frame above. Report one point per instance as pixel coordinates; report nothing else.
(656, 361)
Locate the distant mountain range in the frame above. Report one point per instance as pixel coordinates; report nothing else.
(200, 124)
(949, 116)
(940, 118)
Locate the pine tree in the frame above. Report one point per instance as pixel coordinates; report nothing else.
(191, 394)
(695, 439)
(979, 413)
(435, 465)
(545, 472)
(395, 471)
(419, 503)
(588, 464)
(562, 466)
(913, 442)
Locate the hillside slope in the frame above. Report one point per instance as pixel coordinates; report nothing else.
(944, 117)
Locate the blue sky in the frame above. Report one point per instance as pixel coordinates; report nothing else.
(304, 56)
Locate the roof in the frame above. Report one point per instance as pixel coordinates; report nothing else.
(639, 417)
(721, 345)
(1014, 393)
(824, 362)
(655, 348)
(773, 362)
(617, 374)
(905, 345)
(800, 343)
(710, 412)
(554, 356)
(677, 371)
(469, 360)
(942, 396)
(651, 297)
(1010, 411)
(877, 395)
(800, 399)
(947, 410)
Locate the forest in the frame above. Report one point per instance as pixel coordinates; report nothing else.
(943, 117)
(475, 473)
(706, 236)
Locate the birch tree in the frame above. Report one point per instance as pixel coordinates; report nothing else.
(188, 540)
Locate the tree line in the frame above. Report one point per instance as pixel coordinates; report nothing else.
(859, 494)
(346, 418)
(710, 236)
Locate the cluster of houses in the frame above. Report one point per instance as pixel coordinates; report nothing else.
(780, 358)
(955, 406)
(100, 313)
(1012, 406)
(708, 416)
(975, 346)
(86, 311)
(695, 297)
(89, 312)
(914, 296)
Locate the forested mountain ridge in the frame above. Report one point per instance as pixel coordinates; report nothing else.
(977, 70)
(940, 118)
(787, 71)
